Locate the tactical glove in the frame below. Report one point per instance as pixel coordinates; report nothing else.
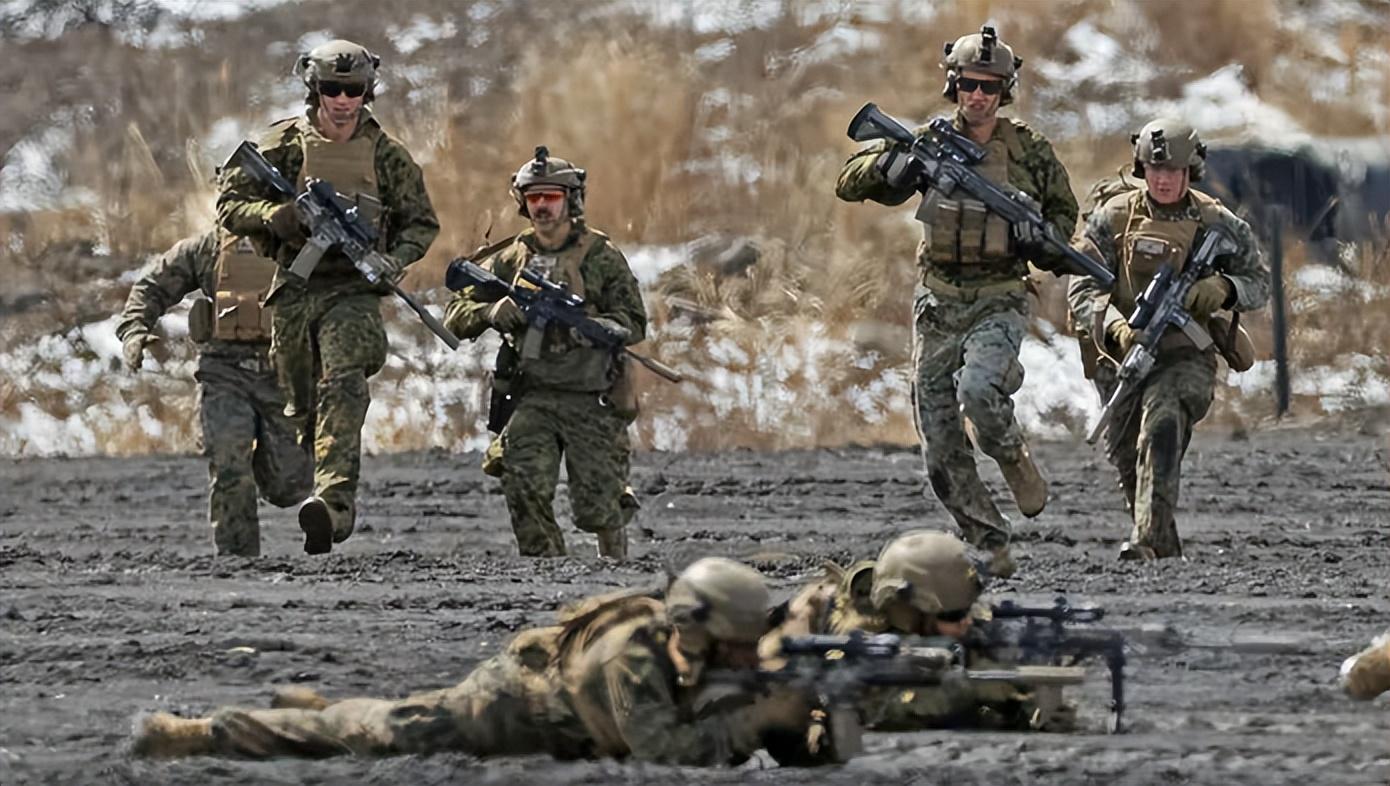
(133, 349)
(1208, 296)
(899, 168)
(284, 223)
(391, 268)
(505, 316)
(1121, 335)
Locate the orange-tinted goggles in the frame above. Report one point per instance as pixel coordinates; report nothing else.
(544, 197)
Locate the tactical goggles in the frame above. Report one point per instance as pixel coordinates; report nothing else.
(990, 87)
(546, 197)
(335, 89)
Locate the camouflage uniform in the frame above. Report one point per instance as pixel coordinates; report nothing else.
(1147, 441)
(563, 404)
(248, 441)
(969, 320)
(328, 336)
(603, 683)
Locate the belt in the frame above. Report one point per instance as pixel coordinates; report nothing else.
(971, 294)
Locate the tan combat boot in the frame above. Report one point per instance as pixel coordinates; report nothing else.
(612, 544)
(297, 697)
(1026, 483)
(1366, 674)
(165, 736)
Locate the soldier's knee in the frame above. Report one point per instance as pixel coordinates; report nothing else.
(346, 383)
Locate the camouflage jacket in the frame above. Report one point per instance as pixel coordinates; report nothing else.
(838, 605)
(614, 661)
(408, 222)
(189, 266)
(1101, 238)
(610, 290)
(1036, 172)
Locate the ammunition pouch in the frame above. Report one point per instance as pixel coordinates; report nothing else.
(623, 395)
(961, 232)
(1232, 342)
(503, 400)
(200, 320)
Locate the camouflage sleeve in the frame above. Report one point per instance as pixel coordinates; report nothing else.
(650, 721)
(1054, 191)
(244, 205)
(411, 224)
(187, 267)
(466, 314)
(1246, 269)
(1095, 240)
(619, 296)
(860, 179)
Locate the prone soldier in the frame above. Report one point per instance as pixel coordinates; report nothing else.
(570, 399)
(1137, 234)
(249, 442)
(327, 331)
(971, 303)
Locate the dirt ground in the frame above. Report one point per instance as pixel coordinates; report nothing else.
(111, 604)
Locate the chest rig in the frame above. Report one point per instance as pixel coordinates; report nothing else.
(958, 230)
(1146, 243)
(243, 278)
(351, 167)
(551, 358)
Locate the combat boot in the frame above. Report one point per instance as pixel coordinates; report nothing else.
(612, 543)
(1366, 674)
(1137, 552)
(165, 736)
(1026, 483)
(297, 697)
(316, 520)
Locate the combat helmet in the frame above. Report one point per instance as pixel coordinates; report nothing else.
(982, 51)
(339, 61)
(1169, 140)
(928, 571)
(717, 599)
(542, 170)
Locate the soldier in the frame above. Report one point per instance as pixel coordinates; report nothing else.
(971, 304)
(923, 583)
(1135, 233)
(571, 399)
(619, 677)
(249, 442)
(327, 336)
(1366, 674)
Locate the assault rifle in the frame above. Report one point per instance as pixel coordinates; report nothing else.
(948, 162)
(544, 302)
(837, 670)
(1158, 308)
(1044, 636)
(333, 222)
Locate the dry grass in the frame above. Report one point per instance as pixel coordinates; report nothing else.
(679, 147)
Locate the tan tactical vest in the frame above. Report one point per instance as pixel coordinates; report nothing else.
(958, 230)
(243, 278)
(562, 364)
(351, 167)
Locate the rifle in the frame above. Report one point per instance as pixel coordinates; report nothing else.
(837, 670)
(332, 223)
(544, 303)
(949, 159)
(1044, 636)
(1159, 307)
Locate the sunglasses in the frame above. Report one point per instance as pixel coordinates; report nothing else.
(990, 87)
(335, 89)
(543, 197)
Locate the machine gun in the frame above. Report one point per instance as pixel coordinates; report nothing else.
(333, 222)
(1044, 636)
(1158, 308)
(837, 670)
(544, 303)
(948, 162)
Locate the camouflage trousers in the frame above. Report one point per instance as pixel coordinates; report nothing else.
(965, 361)
(1148, 441)
(593, 441)
(325, 344)
(502, 708)
(250, 444)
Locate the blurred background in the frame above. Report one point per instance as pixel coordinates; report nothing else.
(712, 132)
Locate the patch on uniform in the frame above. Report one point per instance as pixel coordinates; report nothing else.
(1150, 246)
